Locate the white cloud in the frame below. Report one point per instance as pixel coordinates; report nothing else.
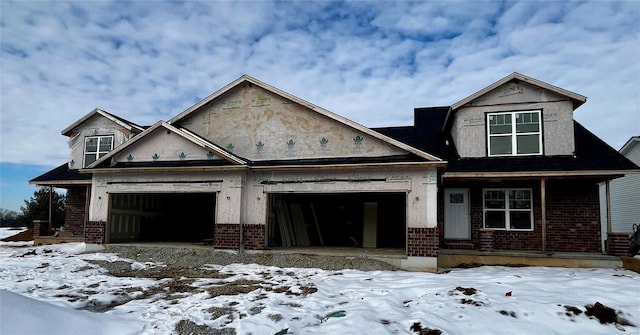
(371, 62)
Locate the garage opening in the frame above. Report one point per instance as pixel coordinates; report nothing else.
(161, 217)
(361, 220)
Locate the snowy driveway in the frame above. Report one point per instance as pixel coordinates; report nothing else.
(256, 299)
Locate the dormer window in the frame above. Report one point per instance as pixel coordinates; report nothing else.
(514, 133)
(96, 147)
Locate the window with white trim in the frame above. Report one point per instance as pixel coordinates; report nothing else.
(508, 209)
(96, 147)
(514, 133)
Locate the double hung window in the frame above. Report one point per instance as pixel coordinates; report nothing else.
(96, 147)
(509, 209)
(514, 133)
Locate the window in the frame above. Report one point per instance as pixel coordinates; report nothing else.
(96, 147)
(514, 133)
(509, 209)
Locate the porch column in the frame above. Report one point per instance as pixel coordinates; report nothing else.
(50, 206)
(608, 204)
(543, 212)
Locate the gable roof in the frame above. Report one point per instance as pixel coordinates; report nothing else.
(181, 132)
(630, 143)
(247, 79)
(116, 119)
(576, 98)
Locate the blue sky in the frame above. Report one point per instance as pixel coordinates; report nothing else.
(372, 62)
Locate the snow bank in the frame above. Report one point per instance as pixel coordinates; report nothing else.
(22, 315)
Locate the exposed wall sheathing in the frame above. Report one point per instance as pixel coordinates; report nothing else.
(162, 145)
(94, 126)
(469, 130)
(260, 125)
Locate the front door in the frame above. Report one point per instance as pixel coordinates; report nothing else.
(456, 214)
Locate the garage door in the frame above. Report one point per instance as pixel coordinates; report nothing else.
(368, 220)
(170, 217)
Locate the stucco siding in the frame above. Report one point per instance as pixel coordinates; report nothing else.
(469, 125)
(227, 185)
(242, 195)
(420, 185)
(94, 126)
(260, 125)
(164, 146)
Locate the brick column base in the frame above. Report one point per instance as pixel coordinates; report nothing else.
(422, 242)
(94, 232)
(486, 240)
(618, 244)
(41, 228)
(254, 236)
(227, 236)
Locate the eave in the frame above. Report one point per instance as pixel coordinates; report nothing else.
(60, 183)
(121, 122)
(629, 144)
(612, 174)
(189, 136)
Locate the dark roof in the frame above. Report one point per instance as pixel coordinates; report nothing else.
(61, 173)
(313, 161)
(591, 154)
(426, 133)
(340, 160)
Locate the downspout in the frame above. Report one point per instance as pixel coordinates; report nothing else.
(608, 200)
(242, 215)
(241, 242)
(543, 210)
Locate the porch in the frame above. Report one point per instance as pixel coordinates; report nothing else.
(449, 258)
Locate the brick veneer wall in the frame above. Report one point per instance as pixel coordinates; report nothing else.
(41, 228)
(573, 219)
(487, 240)
(95, 232)
(254, 236)
(75, 215)
(422, 242)
(618, 244)
(573, 216)
(227, 236)
(505, 239)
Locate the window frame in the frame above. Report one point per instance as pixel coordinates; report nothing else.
(98, 152)
(507, 210)
(514, 134)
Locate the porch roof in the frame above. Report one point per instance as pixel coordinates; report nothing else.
(61, 176)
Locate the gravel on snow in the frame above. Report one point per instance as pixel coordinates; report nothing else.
(192, 259)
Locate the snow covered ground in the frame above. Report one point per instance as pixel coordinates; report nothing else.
(53, 289)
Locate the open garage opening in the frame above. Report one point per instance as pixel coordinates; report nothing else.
(161, 217)
(360, 220)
